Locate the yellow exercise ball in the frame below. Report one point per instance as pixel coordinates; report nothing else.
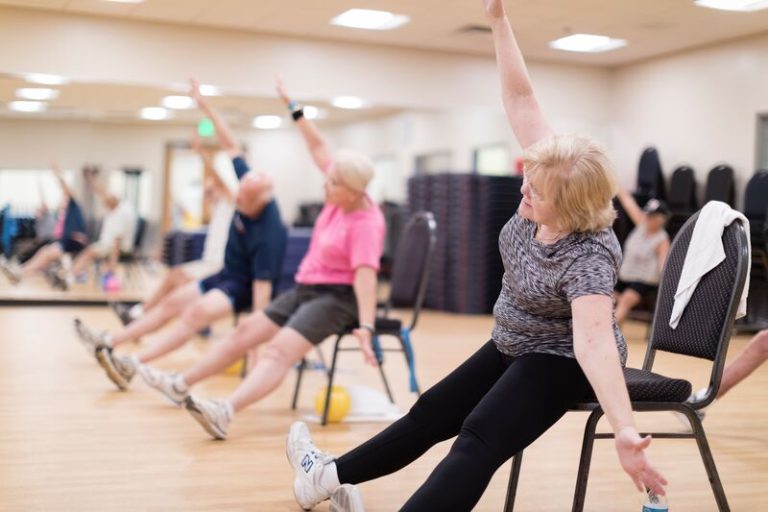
(236, 368)
(340, 403)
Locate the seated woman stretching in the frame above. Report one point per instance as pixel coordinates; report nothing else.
(555, 338)
(336, 290)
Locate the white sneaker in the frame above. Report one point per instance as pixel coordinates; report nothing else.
(309, 464)
(164, 383)
(120, 369)
(213, 415)
(701, 413)
(90, 339)
(11, 272)
(346, 498)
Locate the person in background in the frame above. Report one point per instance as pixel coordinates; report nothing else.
(645, 252)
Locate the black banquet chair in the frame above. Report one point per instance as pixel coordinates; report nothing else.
(704, 332)
(410, 270)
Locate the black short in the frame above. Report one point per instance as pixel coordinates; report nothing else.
(645, 290)
(315, 311)
(236, 287)
(70, 246)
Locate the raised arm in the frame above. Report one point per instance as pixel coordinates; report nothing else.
(210, 170)
(523, 111)
(65, 188)
(227, 139)
(631, 207)
(316, 144)
(594, 345)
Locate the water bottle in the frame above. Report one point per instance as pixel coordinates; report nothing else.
(654, 503)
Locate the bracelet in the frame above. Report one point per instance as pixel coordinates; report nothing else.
(369, 328)
(297, 114)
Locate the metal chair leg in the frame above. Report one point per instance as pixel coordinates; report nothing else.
(709, 462)
(300, 372)
(582, 477)
(331, 372)
(514, 476)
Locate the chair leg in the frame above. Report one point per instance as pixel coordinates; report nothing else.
(331, 372)
(386, 383)
(376, 345)
(580, 493)
(405, 342)
(709, 462)
(514, 476)
(299, 373)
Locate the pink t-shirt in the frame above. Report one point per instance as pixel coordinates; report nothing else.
(342, 242)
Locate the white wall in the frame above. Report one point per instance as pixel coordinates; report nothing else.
(699, 107)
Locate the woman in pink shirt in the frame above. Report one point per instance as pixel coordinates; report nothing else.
(336, 290)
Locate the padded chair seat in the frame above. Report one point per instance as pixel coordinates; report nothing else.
(645, 386)
(388, 325)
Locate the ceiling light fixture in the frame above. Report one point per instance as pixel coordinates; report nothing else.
(311, 112)
(45, 79)
(733, 5)
(154, 113)
(370, 20)
(588, 43)
(37, 93)
(349, 102)
(27, 106)
(209, 90)
(267, 122)
(178, 102)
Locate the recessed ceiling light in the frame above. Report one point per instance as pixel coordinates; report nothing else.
(370, 20)
(349, 102)
(590, 43)
(37, 93)
(27, 106)
(311, 112)
(178, 102)
(267, 122)
(154, 113)
(733, 5)
(209, 90)
(45, 79)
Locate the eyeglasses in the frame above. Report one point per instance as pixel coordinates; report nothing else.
(531, 191)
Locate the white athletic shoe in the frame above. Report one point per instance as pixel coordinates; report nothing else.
(164, 383)
(119, 369)
(11, 271)
(213, 415)
(346, 498)
(701, 413)
(309, 463)
(90, 339)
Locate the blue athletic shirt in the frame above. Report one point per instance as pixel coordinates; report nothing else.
(255, 246)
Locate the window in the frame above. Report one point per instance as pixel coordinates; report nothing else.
(26, 190)
(493, 159)
(433, 163)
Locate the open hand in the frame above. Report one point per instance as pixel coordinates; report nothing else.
(494, 9)
(631, 450)
(364, 335)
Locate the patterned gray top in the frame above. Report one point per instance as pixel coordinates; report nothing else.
(533, 311)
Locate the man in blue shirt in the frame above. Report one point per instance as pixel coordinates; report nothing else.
(252, 263)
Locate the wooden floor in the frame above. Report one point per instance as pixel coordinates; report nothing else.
(69, 441)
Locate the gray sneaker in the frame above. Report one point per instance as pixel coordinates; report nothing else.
(90, 339)
(164, 383)
(212, 415)
(309, 463)
(120, 369)
(346, 498)
(10, 271)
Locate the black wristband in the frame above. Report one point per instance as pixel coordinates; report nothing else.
(297, 114)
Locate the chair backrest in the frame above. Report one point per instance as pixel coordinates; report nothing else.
(650, 178)
(411, 261)
(756, 196)
(138, 237)
(720, 186)
(704, 330)
(682, 190)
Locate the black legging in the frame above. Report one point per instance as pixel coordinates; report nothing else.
(497, 405)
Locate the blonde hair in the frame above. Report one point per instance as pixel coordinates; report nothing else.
(354, 169)
(573, 173)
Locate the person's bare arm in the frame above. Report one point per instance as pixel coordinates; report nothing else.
(226, 137)
(523, 112)
(262, 294)
(316, 144)
(636, 214)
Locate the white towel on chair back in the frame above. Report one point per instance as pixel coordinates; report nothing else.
(705, 252)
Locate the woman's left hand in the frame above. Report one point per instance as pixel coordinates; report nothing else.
(631, 450)
(364, 335)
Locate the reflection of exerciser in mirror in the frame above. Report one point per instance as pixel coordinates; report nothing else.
(69, 240)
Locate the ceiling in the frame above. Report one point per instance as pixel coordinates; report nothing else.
(652, 27)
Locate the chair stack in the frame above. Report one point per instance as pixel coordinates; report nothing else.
(470, 211)
(756, 211)
(295, 249)
(682, 198)
(180, 247)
